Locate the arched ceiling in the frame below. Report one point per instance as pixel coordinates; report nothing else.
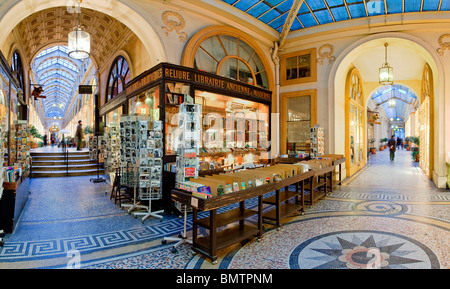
(309, 13)
(52, 26)
(44, 37)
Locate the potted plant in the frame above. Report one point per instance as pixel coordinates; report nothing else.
(385, 140)
(415, 150)
(407, 143)
(373, 149)
(381, 144)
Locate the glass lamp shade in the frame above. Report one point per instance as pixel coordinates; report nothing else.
(386, 75)
(79, 44)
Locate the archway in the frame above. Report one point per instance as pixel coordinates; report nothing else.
(121, 10)
(356, 55)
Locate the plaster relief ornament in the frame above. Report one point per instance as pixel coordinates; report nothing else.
(326, 51)
(174, 21)
(444, 45)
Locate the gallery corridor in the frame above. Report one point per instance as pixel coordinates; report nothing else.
(389, 216)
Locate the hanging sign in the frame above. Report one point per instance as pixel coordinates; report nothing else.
(85, 89)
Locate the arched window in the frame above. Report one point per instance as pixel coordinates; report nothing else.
(119, 76)
(17, 69)
(227, 52)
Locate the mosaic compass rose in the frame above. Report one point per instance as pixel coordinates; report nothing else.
(362, 250)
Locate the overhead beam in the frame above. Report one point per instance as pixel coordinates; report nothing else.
(289, 21)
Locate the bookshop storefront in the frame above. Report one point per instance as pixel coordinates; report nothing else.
(234, 122)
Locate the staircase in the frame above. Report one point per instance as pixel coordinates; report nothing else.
(52, 164)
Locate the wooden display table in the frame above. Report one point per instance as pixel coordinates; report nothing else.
(12, 202)
(338, 163)
(321, 183)
(210, 244)
(281, 200)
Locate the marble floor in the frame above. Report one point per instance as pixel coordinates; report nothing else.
(388, 216)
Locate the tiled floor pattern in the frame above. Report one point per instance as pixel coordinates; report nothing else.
(389, 216)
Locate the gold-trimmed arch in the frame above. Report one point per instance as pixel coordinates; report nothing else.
(194, 43)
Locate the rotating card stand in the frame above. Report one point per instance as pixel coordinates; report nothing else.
(148, 196)
(135, 205)
(182, 238)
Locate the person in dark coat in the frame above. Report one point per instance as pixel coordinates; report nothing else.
(399, 142)
(79, 135)
(45, 140)
(391, 145)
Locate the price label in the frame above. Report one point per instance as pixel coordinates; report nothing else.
(194, 202)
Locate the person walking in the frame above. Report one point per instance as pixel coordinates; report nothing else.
(45, 140)
(79, 135)
(391, 145)
(399, 142)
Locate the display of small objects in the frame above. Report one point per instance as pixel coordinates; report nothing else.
(189, 143)
(317, 138)
(111, 148)
(141, 144)
(2, 154)
(95, 147)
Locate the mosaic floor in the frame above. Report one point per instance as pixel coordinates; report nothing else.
(388, 216)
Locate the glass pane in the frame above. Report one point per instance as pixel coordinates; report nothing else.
(298, 123)
(291, 68)
(229, 68)
(146, 103)
(304, 66)
(352, 133)
(245, 74)
(230, 124)
(205, 62)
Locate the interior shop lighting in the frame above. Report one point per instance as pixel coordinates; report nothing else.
(386, 71)
(79, 40)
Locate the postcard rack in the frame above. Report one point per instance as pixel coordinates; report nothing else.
(141, 163)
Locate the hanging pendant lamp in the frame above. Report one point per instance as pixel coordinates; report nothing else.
(79, 41)
(386, 71)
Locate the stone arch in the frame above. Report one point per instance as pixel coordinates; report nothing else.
(336, 93)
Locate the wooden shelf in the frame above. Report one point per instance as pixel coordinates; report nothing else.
(227, 237)
(284, 196)
(227, 217)
(285, 211)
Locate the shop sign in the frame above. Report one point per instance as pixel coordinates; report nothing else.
(216, 82)
(144, 81)
(85, 89)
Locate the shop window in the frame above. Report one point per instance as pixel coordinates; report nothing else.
(235, 131)
(298, 115)
(17, 69)
(118, 77)
(298, 67)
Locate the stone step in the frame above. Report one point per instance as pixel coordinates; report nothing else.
(63, 167)
(53, 174)
(61, 162)
(37, 154)
(60, 157)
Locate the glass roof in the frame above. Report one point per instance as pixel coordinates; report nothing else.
(401, 95)
(318, 12)
(58, 74)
